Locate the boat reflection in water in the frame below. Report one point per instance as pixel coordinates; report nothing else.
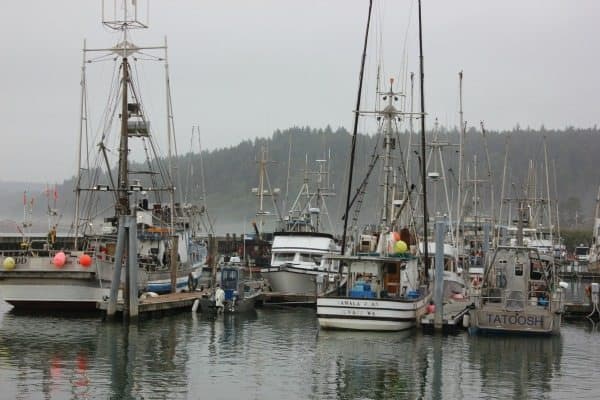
(411, 365)
(355, 366)
(281, 354)
(516, 367)
(54, 360)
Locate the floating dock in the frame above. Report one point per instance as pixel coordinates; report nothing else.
(580, 275)
(579, 310)
(160, 305)
(452, 317)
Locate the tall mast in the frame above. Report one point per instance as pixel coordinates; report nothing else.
(355, 128)
(410, 123)
(489, 173)
(287, 179)
(123, 49)
(548, 207)
(461, 134)
(385, 220)
(503, 188)
(128, 21)
(261, 192)
(210, 227)
(423, 148)
(389, 113)
(79, 144)
(123, 203)
(170, 141)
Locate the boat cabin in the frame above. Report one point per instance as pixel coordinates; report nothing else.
(582, 253)
(518, 277)
(382, 277)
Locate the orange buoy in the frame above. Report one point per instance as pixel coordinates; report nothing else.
(85, 260)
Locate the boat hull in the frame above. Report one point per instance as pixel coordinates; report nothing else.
(161, 284)
(531, 321)
(52, 296)
(298, 281)
(36, 284)
(349, 313)
(158, 281)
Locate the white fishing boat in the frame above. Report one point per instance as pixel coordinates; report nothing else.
(386, 288)
(299, 267)
(299, 264)
(383, 294)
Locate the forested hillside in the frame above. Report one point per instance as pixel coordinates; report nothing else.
(231, 173)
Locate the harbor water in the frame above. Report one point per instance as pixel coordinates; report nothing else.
(281, 354)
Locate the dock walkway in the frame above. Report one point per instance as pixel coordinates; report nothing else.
(160, 305)
(452, 317)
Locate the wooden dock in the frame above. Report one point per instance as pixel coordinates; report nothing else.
(578, 310)
(452, 317)
(580, 275)
(160, 305)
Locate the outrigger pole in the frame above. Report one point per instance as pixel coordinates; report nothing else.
(355, 129)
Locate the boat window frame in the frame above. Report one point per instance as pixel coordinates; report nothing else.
(278, 256)
(519, 269)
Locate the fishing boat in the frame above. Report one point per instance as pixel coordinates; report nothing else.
(386, 288)
(155, 247)
(61, 279)
(51, 272)
(299, 268)
(164, 241)
(241, 291)
(520, 292)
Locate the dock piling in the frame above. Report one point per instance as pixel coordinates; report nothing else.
(438, 293)
(116, 281)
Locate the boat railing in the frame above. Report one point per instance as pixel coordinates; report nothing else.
(535, 297)
(33, 253)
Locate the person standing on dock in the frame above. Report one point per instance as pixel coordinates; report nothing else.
(219, 298)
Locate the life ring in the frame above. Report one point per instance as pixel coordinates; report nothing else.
(192, 282)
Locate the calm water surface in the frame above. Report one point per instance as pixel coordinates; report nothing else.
(280, 354)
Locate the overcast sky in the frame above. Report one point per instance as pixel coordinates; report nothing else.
(241, 69)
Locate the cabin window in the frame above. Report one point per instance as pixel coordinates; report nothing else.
(304, 257)
(518, 269)
(229, 275)
(284, 257)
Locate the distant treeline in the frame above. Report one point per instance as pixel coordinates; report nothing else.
(230, 173)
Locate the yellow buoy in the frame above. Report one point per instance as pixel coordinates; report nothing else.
(400, 247)
(9, 263)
